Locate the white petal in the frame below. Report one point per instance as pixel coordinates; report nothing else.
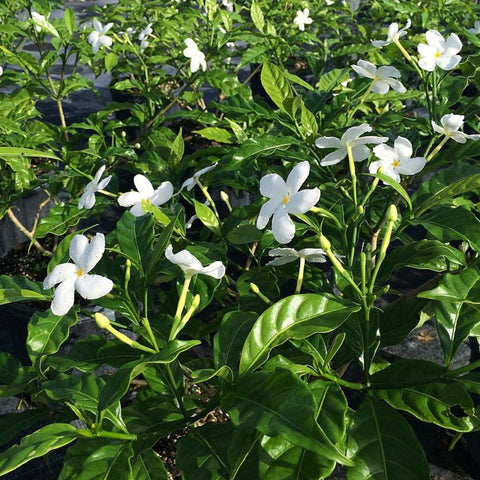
(449, 63)
(130, 198)
(185, 260)
(137, 210)
(59, 274)
(189, 183)
(276, 262)
(396, 85)
(143, 185)
(103, 183)
(97, 25)
(452, 122)
(380, 43)
(64, 296)
(273, 185)
(435, 39)
(365, 69)
(411, 166)
(438, 128)
(303, 201)
(360, 153)
(374, 166)
(334, 157)
(87, 200)
(283, 227)
(427, 63)
(78, 247)
(425, 50)
(93, 253)
(267, 210)
(403, 148)
(459, 137)
(91, 287)
(453, 44)
(313, 255)
(384, 152)
(354, 132)
(387, 71)
(215, 270)
(297, 176)
(381, 87)
(369, 139)
(99, 173)
(162, 194)
(328, 142)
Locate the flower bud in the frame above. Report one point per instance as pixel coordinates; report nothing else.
(224, 197)
(392, 214)
(325, 243)
(102, 321)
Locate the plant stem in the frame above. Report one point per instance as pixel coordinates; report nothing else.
(301, 270)
(180, 306)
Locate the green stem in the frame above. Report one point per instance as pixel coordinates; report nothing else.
(361, 102)
(351, 166)
(180, 306)
(207, 196)
(301, 270)
(437, 148)
(115, 435)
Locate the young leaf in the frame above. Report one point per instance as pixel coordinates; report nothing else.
(257, 16)
(149, 466)
(276, 85)
(207, 217)
(17, 289)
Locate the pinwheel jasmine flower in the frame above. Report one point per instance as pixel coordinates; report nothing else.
(284, 198)
(288, 255)
(383, 77)
(97, 38)
(438, 51)
(74, 276)
(191, 265)
(192, 181)
(476, 28)
(451, 125)
(145, 192)
(394, 34)
(302, 19)
(87, 200)
(352, 139)
(197, 58)
(228, 5)
(397, 160)
(38, 21)
(143, 36)
(1, 71)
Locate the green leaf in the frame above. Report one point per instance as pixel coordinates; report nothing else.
(420, 388)
(297, 316)
(452, 223)
(396, 186)
(216, 134)
(276, 85)
(243, 234)
(462, 287)
(262, 146)
(309, 122)
(280, 404)
(328, 81)
(207, 217)
(149, 466)
(70, 20)
(17, 289)
(228, 341)
(111, 61)
(135, 236)
(15, 423)
(257, 16)
(177, 149)
(383, 446)
(36, 445)
(117, 385)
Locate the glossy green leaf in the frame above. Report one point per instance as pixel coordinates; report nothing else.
(383, 446)
(279, 404)
(207, 217)
(70, 20)
(396, 186)
(216, 134)
(17, 289)
(7, 152)
(244, 234)
(15, 423)
(265, 145)
(228, 341)
(276, 84)
(297, 316)
(111, 61)
(177, 149)
(97, 459)
(149, 466)
(462, 287)
(117, 385)
(257, 16)
(36, 445)
(308, 121)
(328, 81)
(420, 388)
(14, 377)
(135, 236)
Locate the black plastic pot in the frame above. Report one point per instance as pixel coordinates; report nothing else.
(14, 318)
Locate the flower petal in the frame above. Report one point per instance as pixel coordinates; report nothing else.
(64, 296)
(360, 153)
(435, 39)
(93, 253)
(381, 87)
(387, 71)
(143, 185)
(59, 274)
(334, 157)
(411, 166)
(267, 210)
(384, 153)
(452, 122)
(130, 198)
(303, 201)
(91, 287)
(354, 132)
(162, 194)
(273, 185)
(453, 44)
(449, 63)
(403, 148)
(87, 200)
(78, 247)
(328, 142)
(215, 270)
(283, 227)
(137, 210)
(297, 176)
(185, 260)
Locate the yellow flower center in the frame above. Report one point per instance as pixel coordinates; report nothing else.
(437, 54)
(286, 199)
(395, 163)
(147, 201)
(79, 272)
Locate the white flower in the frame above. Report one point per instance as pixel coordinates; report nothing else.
(74, 276)
(476, 28)
(383, 77)
(192, 266)
(351, 138)
(394, 34)
(191, 182)
(228, 5)
(354, 5)
(197, 58)
(143, 36)
(287, 255)
(97, 38)
(284, 198)
(395, 161)
(1, 71)
(38, 21)
(87, 200)
(451, 124)
(439, 52)
(145, 192)
(329, 2)
(302, 19)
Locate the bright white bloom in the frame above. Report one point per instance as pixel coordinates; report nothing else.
(145, 192)
(383, 77)
(74, 276)
(284, 198)
(87, 200)
(97, 38)
(439, 52)
(351, 138)
(302, 19)
(38, 21)
(191, 182)
(1, 71)
(451, 125)
(228, 5)
(396, 161)
(192, 266)
(288, 255)
(143, 36)
(197, 58)
(476, 28)
(329, 2)
(394, 34)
